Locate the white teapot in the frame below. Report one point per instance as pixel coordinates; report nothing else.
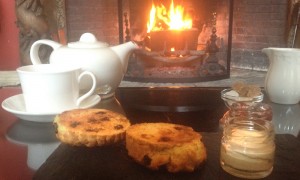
(108, 64)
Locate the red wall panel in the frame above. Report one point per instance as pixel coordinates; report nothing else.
(9, 43)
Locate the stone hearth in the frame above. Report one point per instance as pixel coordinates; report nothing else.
(10, 78)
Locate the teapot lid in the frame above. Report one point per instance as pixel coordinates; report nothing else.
(87, 40)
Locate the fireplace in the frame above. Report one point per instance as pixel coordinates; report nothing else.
(256, 25)
(200, 52)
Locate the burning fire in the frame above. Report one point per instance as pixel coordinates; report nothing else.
(174, 19)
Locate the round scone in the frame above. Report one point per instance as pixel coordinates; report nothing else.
(175, 147)
(90, 127)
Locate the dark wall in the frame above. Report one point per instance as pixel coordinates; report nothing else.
(257, 24)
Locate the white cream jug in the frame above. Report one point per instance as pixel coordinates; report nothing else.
(282, 83)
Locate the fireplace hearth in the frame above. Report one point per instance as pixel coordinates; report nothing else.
(201, 53)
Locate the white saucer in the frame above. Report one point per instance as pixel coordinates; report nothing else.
(15, 105)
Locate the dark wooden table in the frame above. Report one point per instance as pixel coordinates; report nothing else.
(200, 108)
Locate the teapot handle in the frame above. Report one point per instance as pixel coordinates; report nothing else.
(34, 50)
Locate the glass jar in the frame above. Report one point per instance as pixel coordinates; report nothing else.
(240, 105)
(230, 99)
(247, 145)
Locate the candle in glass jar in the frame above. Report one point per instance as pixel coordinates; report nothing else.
(247, 148)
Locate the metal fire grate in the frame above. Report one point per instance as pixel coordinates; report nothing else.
(188, 63)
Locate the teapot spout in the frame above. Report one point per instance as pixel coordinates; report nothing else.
(124, 51)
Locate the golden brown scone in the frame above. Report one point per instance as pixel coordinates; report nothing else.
(175, 147)
(90, 127)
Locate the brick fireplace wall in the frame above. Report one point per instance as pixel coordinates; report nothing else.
(256, 24)
(99, 17)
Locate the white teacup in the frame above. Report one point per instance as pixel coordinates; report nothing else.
(49, 88)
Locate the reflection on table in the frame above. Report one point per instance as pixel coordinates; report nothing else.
(39, 138)
(200, 108)
(286, 119)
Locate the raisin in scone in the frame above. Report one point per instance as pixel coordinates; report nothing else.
(90, 127)
(172, 146)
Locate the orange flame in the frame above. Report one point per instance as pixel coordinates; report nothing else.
(175, 19)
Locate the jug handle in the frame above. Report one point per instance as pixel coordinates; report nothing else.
(34, 50)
